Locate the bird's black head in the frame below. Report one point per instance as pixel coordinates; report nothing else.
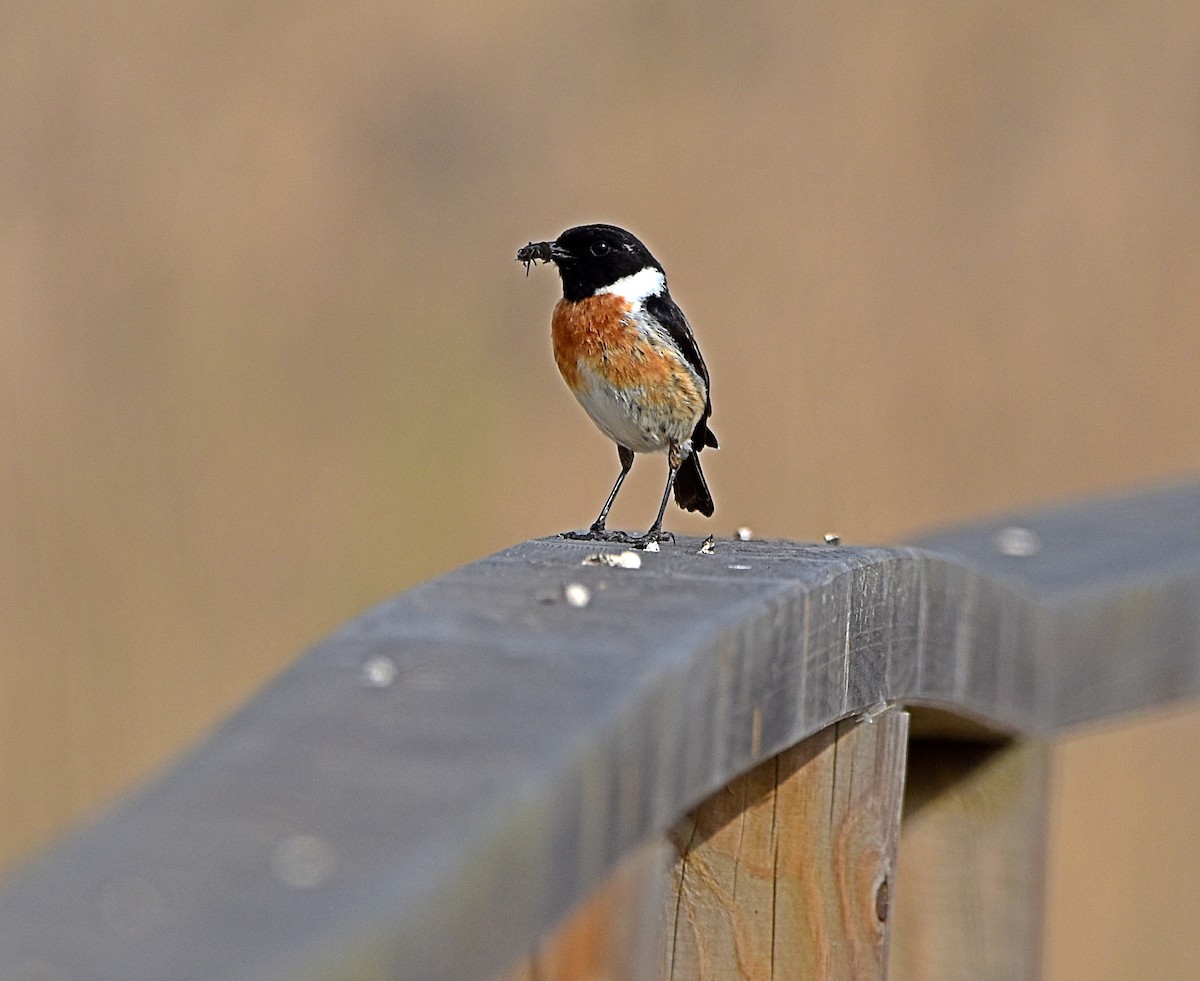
(592, 257)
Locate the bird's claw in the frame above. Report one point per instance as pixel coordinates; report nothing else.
(595, 534)
(651, 537)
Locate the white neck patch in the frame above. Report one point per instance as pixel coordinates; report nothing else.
(634, 289)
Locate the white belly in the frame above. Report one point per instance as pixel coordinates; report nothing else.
(625, 417)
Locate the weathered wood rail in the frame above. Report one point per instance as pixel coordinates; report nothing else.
(711, 746)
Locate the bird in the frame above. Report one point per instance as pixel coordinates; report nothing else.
(627, 353)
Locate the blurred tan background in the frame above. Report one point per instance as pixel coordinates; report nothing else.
(265, 357)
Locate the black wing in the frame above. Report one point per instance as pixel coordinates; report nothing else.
(666, 311)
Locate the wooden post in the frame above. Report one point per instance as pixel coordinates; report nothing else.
(969, 900)
(787, 872)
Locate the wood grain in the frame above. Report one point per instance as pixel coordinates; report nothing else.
(787, 872)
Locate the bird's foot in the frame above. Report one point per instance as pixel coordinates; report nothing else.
(596, 533)
(652, 537)
(600, 534)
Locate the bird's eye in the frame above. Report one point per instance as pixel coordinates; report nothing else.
(599, 248)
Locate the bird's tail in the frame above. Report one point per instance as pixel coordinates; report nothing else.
(691, 492)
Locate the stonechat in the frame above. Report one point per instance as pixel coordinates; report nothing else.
(627, 353)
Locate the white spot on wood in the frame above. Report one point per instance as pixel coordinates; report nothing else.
(615, 560)
(1017, 542)
(379, 672)
(577, 595)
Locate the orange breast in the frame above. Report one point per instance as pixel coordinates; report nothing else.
(595, 332)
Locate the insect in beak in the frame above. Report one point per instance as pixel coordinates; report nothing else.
(534, 252)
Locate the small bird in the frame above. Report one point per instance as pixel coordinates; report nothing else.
(625, 350)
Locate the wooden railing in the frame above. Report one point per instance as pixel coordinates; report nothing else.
(771, 760)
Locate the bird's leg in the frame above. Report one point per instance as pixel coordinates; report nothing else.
(626, 457)
(597, 531)
(655, 533)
